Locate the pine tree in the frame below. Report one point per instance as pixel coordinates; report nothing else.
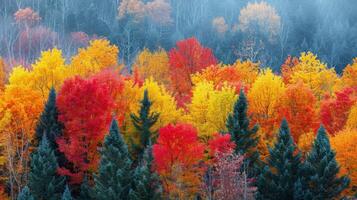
(48, 123)
(66, 194)
(277, 179)
(25, 194)
(244, 137)
(85, 190)
(146, 184)
(143, 123)
(320, 169)
(44, 181)
(113, 180)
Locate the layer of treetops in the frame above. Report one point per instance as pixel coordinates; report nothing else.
(176, 125)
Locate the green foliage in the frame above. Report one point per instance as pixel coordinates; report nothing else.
(142, 123)
(44, 181)
(48, 123)
(85, 190)
(244, 137)
(25, 194)
(278, 178)
(66, 194)
(114, 178)
(146, 184)
(320, 169)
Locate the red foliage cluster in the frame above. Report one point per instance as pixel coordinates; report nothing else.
(334, 111)
(221, 144)
(187, 58)
(85, 108)
(177, 145)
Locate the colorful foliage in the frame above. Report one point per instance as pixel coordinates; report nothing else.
(177, 157)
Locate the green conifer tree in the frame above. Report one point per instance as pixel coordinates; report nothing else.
(44, 181)
(146, 184)
(244, 137)
(320, 171)
(277, 179)
(25, 194)
(66, 194)
(114, 178)
(143, 123)
(48, 123)
(85, 190)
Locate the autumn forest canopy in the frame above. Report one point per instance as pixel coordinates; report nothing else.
(178, 99)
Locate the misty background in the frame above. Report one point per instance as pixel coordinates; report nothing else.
(265, 31)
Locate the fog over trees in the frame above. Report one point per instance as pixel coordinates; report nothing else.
(265, 31)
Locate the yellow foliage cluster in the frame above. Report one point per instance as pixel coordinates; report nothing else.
(153, 64)
(162, 102)
(315, 75)
(263, 99)
(210, 107)
(99, 55)
(352, 118)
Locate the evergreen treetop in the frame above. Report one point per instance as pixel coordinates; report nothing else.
(44, 181)
(114, 178)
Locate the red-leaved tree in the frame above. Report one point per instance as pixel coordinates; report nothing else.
(334, 111)
(85, 108)
(220, 144)
(177, 158)
(187, 58)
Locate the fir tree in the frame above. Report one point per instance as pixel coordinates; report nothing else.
(66, 194)
(113, 180)
(146, 184)
(44, 181)
(143, 123)
(85, 190)
(320, 169)
(48, 123)
(277, 179)
(244, 137)
(25, 194)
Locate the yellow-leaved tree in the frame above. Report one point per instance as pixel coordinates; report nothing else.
(209, 108)
(49, 71)
(20, 107)
(352, 118)
(99, 55)
(163, 103)
(263, 98)
(315, 75)
(153, 64)
(344, 143)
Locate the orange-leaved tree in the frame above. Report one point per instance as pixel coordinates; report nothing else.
(298, 107)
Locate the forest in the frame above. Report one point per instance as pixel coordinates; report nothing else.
(178, 99)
